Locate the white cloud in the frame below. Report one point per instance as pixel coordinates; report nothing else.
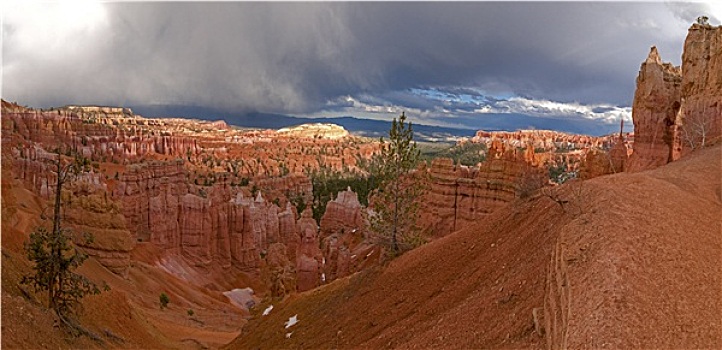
(715, 9)
(456, 110)
(546, 108)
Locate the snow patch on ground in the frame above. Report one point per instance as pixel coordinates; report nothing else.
(292, 321)
(243, 298)
(267, 310)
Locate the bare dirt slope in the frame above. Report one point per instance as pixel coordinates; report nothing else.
(632, 262)
(641, 267)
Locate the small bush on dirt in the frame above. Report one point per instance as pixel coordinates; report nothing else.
(164, 300)
(191, 312)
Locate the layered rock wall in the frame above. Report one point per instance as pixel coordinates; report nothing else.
(207, 224)
(87, 206)
(66, 129)
(459, 195)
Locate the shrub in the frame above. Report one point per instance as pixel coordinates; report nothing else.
(164, 300)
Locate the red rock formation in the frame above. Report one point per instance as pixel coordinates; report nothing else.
(309, 260)
(676, 109)
(596, 163)
(342, 214)
(65, 128)
(88, 209)
(655, 113)
(96, 214)
(545, 139)
(459, 195)
(343, 233)
(701, 95)
(619, 154)
(279, 271)
(207, 224)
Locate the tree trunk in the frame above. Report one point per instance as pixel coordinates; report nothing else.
(56, 254)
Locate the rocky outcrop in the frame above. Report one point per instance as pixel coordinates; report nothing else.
(545, 139)
(701, 95)
(343, 214)
(207, 224)
(343, 236)
(619, 154)
(459, 195)
(315, 131)
(675, 109)
(309, 260)
(596, 163)
(279, 271)
(656, 114)
(96, 215)
(96, 221)
(66, 129)
(292, 186)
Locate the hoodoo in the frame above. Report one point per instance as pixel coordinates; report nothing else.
(678, 109)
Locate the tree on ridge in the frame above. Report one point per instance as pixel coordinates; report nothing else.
(395, 203)
(53, 254)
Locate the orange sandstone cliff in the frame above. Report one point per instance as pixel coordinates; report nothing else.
(678, 109)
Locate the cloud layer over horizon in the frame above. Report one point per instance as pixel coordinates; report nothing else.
(444, 61)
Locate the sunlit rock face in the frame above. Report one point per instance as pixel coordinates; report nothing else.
(315, 131)
(701, 104)
(459, 195)
(655, 113)
(677, 109)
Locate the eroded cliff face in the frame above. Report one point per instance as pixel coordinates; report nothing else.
(164, 182)
(459, 195)
(678, 109)
(207, 224)
(309, 259)
(92, 136)
(656, 114)
(701, 95)
(346, 245)
(88, 208)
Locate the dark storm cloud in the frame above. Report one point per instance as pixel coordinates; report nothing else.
(305, 57)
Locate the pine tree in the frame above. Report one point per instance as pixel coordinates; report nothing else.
(55, 256)
(396, 201)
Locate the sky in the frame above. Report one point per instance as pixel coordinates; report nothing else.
(448, 64)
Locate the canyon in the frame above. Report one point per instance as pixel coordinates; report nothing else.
(215, 196)
(220, 218)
